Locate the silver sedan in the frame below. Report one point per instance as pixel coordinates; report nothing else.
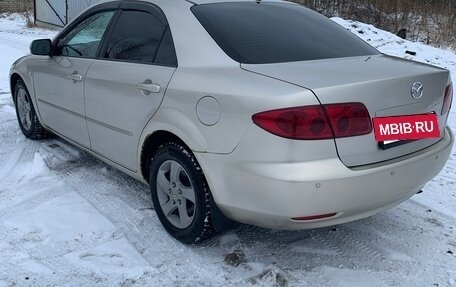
(260, 112)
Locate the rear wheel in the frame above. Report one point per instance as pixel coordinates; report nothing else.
(180, 194)
(26, 115)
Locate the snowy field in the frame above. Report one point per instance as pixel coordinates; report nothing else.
(66, 219)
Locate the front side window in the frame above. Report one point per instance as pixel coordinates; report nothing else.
(136, 37)
(84, 40)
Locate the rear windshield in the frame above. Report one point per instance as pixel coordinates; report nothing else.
(266, 33)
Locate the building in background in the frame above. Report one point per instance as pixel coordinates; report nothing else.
(58, 13)
(16, 5)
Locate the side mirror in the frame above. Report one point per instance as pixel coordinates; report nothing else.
(41, 47)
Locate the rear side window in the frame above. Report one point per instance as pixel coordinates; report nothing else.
(265, 33)
(166, 54)
(137, 37)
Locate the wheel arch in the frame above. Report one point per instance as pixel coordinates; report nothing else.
(14, 78)
(21, 74)
(151, 144)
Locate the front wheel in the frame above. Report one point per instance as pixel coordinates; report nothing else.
(26, 114)
(180, 194)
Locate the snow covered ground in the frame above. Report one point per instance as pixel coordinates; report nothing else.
(67, 219)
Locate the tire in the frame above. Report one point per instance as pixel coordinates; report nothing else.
(26, 115)
(174, 173)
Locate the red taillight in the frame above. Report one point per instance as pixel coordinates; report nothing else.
(349, 120)
(301, 123)
(317, 122)
(447, 100)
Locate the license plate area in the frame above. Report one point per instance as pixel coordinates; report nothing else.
(385, 145)
(399, 130)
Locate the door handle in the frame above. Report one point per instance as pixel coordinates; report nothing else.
(75, 77)
(147, 87)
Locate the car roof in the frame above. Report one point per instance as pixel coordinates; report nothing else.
(179, 3)
(224, 1)
(221, 1)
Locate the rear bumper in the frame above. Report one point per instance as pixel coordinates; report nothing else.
(270, 194)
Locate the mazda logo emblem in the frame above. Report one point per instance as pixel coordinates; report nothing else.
(417, 90)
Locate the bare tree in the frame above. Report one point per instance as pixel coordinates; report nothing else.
(428, 21)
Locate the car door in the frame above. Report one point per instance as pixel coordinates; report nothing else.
(125, 88)
(59, 79)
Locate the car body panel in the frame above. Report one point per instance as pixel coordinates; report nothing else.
(117, 110)
(23, 68)
(260, 189)
(237, 94)
(60, 100)
(382, 83)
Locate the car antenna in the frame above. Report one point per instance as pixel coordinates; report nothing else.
(258, 1)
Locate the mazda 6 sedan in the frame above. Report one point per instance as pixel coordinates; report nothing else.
(259, 112)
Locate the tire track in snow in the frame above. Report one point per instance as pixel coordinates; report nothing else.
(53, 259)
(14, 171)
(436, 208)
(124, 210)
(18, 159)
(352, 249)
(12, 161)
(30, 203)
(8, 138)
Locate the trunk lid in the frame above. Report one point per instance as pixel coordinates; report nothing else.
(382, 83)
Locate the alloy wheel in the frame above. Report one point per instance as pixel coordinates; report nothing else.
(24, 109)
(176, 194)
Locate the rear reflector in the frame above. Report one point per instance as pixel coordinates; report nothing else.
(315, 217)
(447, 100)
(317, 122)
